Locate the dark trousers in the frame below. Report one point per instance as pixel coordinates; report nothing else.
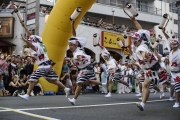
(36, 90)
(96, 88)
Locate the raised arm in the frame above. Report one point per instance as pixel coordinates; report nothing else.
(157, 54)
(27, 31)
(164, 32)
(28, 43)
(72, 27)
(138, 26)
(130, 50)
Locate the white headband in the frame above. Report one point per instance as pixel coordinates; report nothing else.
(81, 42)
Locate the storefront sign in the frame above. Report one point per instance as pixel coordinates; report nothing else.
(109, 40)
(31, 16)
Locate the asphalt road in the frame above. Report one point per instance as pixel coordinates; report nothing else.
(88, 107)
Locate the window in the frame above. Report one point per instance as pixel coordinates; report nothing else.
(113, 2)
(142, 6)
(173, 8)
(175, 21)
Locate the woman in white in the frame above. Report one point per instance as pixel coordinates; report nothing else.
(104, 76)
(82, 61)
(113, 69)
(97, 71)
(127, 75)
(121, 87)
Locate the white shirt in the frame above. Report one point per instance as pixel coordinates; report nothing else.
(174, 60)
(85, 58)
(148, 63)
(111, 64)
(40, 55)
(123, 68)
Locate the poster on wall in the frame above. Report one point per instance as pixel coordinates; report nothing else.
(6, 27)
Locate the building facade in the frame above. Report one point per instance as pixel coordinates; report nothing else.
(110, 13)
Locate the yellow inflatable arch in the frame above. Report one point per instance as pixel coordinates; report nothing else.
(57, 31)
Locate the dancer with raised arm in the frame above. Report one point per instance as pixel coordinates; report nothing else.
(147, 60)
(113, 69)
(174, 64)
(39, 53)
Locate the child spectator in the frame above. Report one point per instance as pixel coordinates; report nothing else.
(14, 86)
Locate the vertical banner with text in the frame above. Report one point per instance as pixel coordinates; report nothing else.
(33, 15)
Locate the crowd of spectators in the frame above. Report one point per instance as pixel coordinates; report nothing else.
(44, 10)
(14, 72)
(100, 23)
(9, 7)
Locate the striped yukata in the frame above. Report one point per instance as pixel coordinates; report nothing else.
(86, 73)
(151, 66)
(44, 64)
(85, 66)
(174, 60)
(141, 77)
(116, 77)
(44, 70)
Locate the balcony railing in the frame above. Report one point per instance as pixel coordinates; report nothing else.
(11, 10)
(148, 9)
(140, 7)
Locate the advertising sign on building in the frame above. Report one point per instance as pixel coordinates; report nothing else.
(33, 15)
(110, 39)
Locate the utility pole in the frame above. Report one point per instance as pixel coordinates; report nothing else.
(178, 6)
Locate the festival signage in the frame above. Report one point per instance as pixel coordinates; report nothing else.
(110, 39)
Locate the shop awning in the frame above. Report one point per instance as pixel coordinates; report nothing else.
(6, 43)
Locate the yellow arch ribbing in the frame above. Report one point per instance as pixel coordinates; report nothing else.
(57, 31)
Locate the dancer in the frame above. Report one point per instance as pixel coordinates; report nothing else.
(45, 65)
(82, 61)
(174, 63)
(147, 61)
(114, 71)
(141, 76)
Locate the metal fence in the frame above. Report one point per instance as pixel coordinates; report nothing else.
(11, 10)
(140, 7)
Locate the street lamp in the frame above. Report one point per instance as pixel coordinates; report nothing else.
(113, 10)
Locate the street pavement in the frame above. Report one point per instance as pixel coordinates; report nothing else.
(88, 107)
